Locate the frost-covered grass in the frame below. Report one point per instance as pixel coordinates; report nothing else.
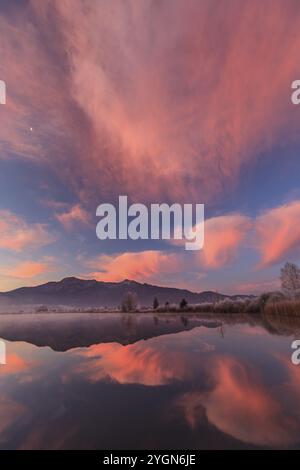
(270, 302)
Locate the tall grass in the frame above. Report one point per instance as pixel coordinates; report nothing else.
(284, 307)
(270, 303)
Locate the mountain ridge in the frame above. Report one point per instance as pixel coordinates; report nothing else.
(74, 291)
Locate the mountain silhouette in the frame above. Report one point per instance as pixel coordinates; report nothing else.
(82, 293)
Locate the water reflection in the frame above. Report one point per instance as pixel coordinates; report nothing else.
(66, 331)
(220, 384)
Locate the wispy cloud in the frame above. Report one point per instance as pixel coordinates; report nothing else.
(28, 269)
(16, 234)
(224, 236)
(73, 216)
(131, 101)
(140, 266)
(278, 233)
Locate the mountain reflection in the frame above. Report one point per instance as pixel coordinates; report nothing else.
(66, 331)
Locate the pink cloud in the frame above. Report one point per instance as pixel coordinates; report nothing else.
(131, 100)
(273, 234)
(194, 125)
(223, 237)
(139, 266)
(278, 233)
(29, 269)
(16, 234)
(74, 215)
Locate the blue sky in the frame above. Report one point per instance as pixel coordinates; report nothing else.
(163, 102)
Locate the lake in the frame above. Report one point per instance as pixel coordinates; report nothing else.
(144, 381)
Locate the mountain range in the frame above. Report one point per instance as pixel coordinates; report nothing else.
(72, 291)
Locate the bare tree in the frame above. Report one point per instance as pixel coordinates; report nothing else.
(129, 302)
(290, 279)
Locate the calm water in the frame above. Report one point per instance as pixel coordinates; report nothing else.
(141, 381)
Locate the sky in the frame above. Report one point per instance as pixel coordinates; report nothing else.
(163, 101)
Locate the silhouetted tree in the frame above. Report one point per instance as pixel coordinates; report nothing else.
(183, 304)
(155, 303)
